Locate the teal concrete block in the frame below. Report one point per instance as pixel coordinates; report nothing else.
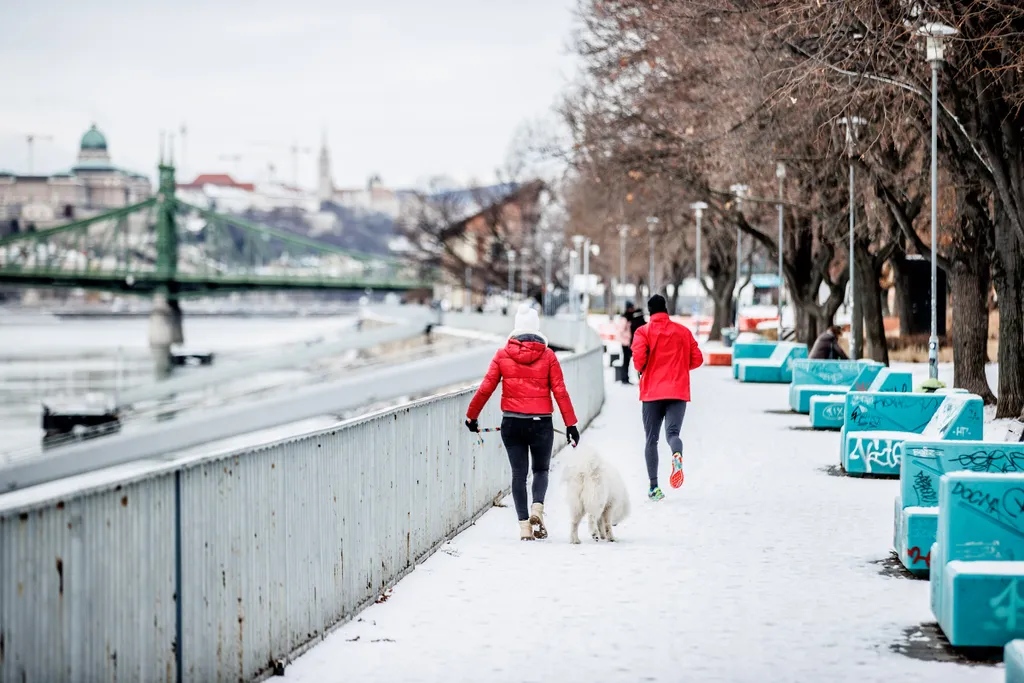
(916, 527)
(800, 395)
(983, 605)
(937, 564)
(776, 369)
(868, 447)
(827, 411)
(826, 377)
(925, 461)
(981, 516)
(887, 380)
(1013, 658)
(752, 351)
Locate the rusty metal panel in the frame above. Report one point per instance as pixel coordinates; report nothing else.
(87, 586)
(278, 544)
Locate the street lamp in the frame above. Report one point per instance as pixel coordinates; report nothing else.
(623, 234)
(578, 241)
(739, 191)
(548, 250)
(780, 173)
(511, 253)
(698, 209)
(652, 223)
(523, 269)
(850, 124)
(935, 35)
(596, 251)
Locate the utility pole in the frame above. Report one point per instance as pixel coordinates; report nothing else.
(30, 138)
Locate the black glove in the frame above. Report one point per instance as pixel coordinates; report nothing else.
(572, 435)
(473, 426)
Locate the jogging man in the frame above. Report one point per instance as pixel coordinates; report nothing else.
(664, 353)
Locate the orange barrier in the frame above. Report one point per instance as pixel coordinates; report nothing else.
(720, 358)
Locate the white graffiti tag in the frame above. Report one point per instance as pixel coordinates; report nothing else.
(1007, 607)
(883, 454)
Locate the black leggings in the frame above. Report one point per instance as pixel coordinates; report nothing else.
(525, 437)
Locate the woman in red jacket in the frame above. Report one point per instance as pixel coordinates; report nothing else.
(529, 373)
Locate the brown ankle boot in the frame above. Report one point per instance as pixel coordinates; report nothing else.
(525, 530)
(537, 520)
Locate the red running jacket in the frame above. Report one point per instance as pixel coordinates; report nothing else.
(664, 352)
(529, 373)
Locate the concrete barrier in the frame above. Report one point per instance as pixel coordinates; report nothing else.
(827, 412)
(976, 562)
(827, 377)
(923, 464)
(877, 424)
(750, 351)
(776, 369)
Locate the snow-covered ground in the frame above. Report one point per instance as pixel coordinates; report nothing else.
(763, 567)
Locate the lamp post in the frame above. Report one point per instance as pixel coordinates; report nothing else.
(548, 250)
(739, 191)
(850, 124)
(698, 209)
(623, 234)
(652, 223)
(468, 304)
(935, 35)
(574, 258)
(523, 272)
(780, 173)
(511, 253)
(596, 251)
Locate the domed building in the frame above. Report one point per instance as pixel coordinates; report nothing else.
(93, 185)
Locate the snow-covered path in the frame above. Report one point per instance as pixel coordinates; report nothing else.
(759, 569)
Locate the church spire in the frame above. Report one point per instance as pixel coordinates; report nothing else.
(325, 186)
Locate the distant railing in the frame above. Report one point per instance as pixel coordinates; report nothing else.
(222, 568)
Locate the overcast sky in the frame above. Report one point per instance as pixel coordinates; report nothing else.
(405, 88)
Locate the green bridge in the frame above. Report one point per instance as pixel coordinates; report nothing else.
(167, 248)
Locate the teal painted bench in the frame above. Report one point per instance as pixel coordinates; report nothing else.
(923, 463)
(776, 369)
(750, 351)
(828, 377)
(978, 559)
(876, 425)
(827, 412)
(1013, 657)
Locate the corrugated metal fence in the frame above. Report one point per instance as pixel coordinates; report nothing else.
(247, 558)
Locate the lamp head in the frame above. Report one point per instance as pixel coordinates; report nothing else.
(548, 248)
(780, 170)
(699, 207)
(935, 34)
(577, 240)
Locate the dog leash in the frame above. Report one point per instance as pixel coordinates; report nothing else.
(480, 439)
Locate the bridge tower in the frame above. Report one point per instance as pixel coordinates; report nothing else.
(165, 320)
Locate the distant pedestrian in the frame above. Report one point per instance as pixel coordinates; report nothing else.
(529, 373)
(826, 347)
(623, 335)
(664, 353)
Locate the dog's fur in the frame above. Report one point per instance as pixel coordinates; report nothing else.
(595, 489)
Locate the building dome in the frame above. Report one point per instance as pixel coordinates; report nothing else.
(93, 139)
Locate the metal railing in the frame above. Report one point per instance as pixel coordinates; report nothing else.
(219, 568)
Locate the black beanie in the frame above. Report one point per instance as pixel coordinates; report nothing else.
(656, 304)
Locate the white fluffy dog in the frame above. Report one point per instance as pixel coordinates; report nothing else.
(595, 489)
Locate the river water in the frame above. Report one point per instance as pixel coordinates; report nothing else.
(44, 357)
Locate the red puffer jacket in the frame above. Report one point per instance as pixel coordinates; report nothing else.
(664, 352)
(529, 372)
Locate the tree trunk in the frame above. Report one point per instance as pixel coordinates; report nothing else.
(969, 283)
(901, 283)
(1008, 268)
(869, 298)
(806, 326)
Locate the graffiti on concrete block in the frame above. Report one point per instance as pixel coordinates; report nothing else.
(916, 556)
(1008, 607)
(878, 454)
(927, 496)
(833, 411)
(996, 460)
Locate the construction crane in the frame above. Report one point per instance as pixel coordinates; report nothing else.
(30, 138)
(294, 150)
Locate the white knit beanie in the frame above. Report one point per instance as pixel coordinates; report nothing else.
(527, 319)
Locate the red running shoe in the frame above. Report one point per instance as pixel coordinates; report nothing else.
(676, 479)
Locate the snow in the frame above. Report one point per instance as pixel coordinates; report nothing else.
(762, 567)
